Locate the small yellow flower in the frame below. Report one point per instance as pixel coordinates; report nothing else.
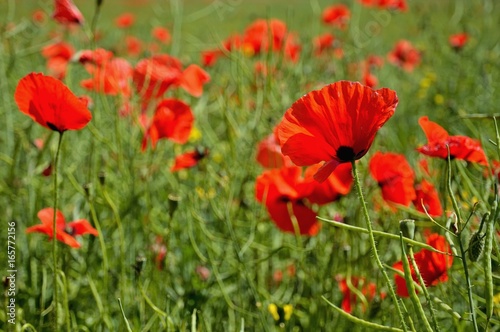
(438, 99)
(280, 314)
(195, 135)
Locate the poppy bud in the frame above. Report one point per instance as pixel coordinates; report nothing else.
(139, 264)
(102, 177)
(407, 227)
(173, 203)
(476, 246)
(87, 187)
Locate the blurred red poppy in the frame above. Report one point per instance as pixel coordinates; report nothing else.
(65, 12)
(161, 34)
(65, 232)
(209, 57)
(285, 191)
(189, 159)
(336, 124)
(133, 45)
(50, 103)
(404, 55)
(438, 142)
(427, 195)
(260, 33)
(125, 20)
(458, 41)
(387, 4)
(39, 16)
(269, 153)
(336, 15)
(153, 76)
(323, 42)
(58, 55)
(111, 77)
(395, 177)
(338, 184)
(173, 120)
(433, 266)
(349, 299)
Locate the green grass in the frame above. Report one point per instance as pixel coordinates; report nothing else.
(218, 224)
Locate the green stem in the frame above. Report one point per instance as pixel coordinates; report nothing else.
(435, 324)
(54, 234)
(411, 287)
(374, 245)
(460, 242)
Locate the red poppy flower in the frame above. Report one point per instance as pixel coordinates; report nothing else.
(125, 20)
(189, 159)
(173, 120)
(58, 55)
(338, 184)
(269, 153)
(323, 42)
(387, 4)
(161, 34)
(433, 266)
(369, 79)
(66, 12)
(160, 250)
(65, 231)
(368, 289)
(133, 45)
(50, 103)
(97, 57)
(111, 77)
(427, 195)
(258, 35)
(283, 191)
(336, 124)
(404, 55)
(155, 75)
(336, 15)
(209, 57)
(458, 41)
(395, 177)
(38, 16)
(438, 141)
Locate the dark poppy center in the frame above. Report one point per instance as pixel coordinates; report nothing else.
(345, 154)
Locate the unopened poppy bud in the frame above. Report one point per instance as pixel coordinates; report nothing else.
(407, 227)
(102, 177)
(139, 264)
(476, 246)
(87, 187)
(173, 203)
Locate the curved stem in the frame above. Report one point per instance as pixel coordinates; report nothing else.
(54, 233)
(374, 245)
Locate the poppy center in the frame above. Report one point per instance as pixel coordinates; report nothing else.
(345, 154)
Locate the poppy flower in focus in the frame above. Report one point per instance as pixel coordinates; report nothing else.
(65, 12)
(283, 191)
(50, 103)
(458, 41)
(189, 159)
(427, 195)
(438, 142)
(336, 124)
(404, 55)
(394, 176)
(269, 153)
(336, 15)
(161, 34)
(125, 20)
(338, 184)
(172, 120)
(368, 289)
(433, 266)
(65, 232)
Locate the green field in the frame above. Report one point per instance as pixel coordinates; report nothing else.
(195, 250)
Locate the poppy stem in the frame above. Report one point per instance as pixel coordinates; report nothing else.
(373, 244)
(54, 233)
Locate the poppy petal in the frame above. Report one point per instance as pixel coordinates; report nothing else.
(50, 103)
(82, 226)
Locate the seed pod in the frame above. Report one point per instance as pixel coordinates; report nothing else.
(476, 246)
